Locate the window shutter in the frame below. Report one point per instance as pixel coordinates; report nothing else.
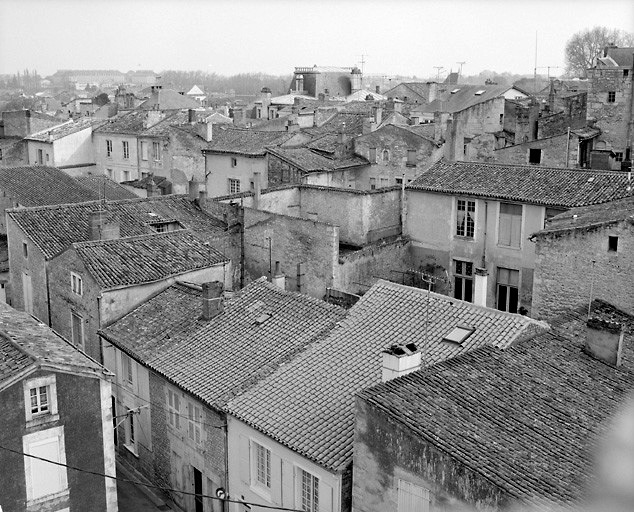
(288, 479)
(276, 479)
(245, 459)
(325, 497)
(504, 234)
(516, 230)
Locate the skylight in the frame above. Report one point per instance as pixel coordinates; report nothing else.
(480, 92)
(455, 91)
(459, 334)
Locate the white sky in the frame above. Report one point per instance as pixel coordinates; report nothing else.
(273, 36)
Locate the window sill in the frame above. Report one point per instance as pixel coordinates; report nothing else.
(263, 492)
(464, 238)
(42, 419)
(44, 499)
(510, 247)
(131, 449)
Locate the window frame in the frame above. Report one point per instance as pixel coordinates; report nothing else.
(511, 222)
(611, 97)
(234, 185)
(464, 279)
(37, 418)
(234, 161)
(131, 439)
(29, 442)
(194, 422)
(156, 151)
(127, 370)
(465, 229)
(126, 149)
(109, 147)
(25, 250)
(144, 151)
(76, 284)
(422, 505)
(73, 315)
(314, 505)
(509, 286)
(530, 153)
(256, 483)
(613, 243)
(411, 158)
(174, 409)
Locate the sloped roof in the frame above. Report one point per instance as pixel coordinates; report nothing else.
(621, 57)
(523, 183)
(342, 122)
(195, 91)
(246, 142)
(308, 403)
(465, 97)
(168, 99)
(362, 95)
(419, 88)
(128, 123)
(146, 258)
(588, 217)
(26, 343)
(289, 99)
(260, 328)
(64, 129)
(54, 228)
(102, 184)
(526, 419)
(37, 185)
(309, 161)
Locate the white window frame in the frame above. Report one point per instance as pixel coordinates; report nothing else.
(29, 441)
(76, 284)
(231, 185)
(108, 147)
(407, 494)
(144, 150)
(38, 418)
(82, 344)
(131, 432)
(258, 485)
(474, 212)
(127, 370)
(126, 149)
(300, 494)
(156, 151)
(174, 409)
(510, 245)
(194, 422)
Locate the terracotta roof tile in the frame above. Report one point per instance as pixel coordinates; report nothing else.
(310, 161)
(103, 184)
(308, 404)
(523, 183)
(245, 142)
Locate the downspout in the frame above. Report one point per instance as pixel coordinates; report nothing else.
(48, 296)
(225, 504)
(568, 147)
(630, 124)
(99, 324)
(486, 220)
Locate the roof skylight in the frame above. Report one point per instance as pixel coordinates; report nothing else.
(459, 334)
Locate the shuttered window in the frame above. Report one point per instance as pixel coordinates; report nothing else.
(510, 228)
(412, 497)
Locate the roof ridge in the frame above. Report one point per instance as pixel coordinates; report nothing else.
(112, 241)
(528, 166)
(164, 197)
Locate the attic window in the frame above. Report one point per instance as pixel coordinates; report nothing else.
(164, 227)
(459, 334)
(480, 92)
(455, 91)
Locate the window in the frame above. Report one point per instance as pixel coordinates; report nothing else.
(626, 72)
(194, 416)
(534, 156)
(0, 154)
(386, 155)
(510, 227)
(126, 149)
(508, 289)
(463, 280)
(144, 150)
(125, 176)
(613, 243)
(501, 118)
(234, 186)
(130, 430)
(126, 369)
(234, 162)
(465, 225)
(156, 151)
(618, 156)
(108, 148)
(412, 497)
(384, 182)
(372, 155)
(40, 400)
(77, 329)
(76, 284)
(411, 158)
(262, 465)
(110, 173)
(399, 181)
(550, 213)
(40, 156)
(174, 409)
(372, 183)
(309, 491)
(45, 481)
(459, 334)
(25, 249)
(611, 96)
(48, 158)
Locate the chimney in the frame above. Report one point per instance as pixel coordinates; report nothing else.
(377, 113)
(278, 279)
(212, 299)
(481, 286)
(368, 125)
(151, 188)
(377, 89)
(152, 117)
(400, 360)
(604, 340)
(191, 116)
(205, 131)
(202, 199)
(193, 188)
(257, 190)
(321, 97)
(238, 115)
(102, 226)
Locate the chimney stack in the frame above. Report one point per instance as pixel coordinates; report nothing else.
(604, 340)
(212, 299)
(193, 188)
(205, 130)
(151, 188)
(191, 116)
(400, 360)
(481, 286)
(278, 279)
(102, 226)
(202, 199)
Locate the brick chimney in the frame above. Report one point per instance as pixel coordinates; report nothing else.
(481, 286)
(400, 360)
(212, 299)
(102, 226)
(279, 279)
(205, 131)
(193, 188)
(604, 340)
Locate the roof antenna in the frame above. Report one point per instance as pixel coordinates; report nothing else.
(591, 289)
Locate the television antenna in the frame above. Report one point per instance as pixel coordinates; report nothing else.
(460, 68)
(438, 70)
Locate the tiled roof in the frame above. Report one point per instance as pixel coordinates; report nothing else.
(308, 404)
(260, 328)
(145, 259)
(423, 130)
(351, 124)
(527, 419)
(325, 143)
(246, 142)
(419, 88)
(25, 342)
(129, 123)
(588, 217)
(54, 228)
(168, 99)
(621, 56)
(65, 129)
(523, 183)
(465, 97)
(38, 185)
(101, 184)
(309, 161)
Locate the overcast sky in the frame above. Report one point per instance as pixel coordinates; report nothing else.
(273, 36)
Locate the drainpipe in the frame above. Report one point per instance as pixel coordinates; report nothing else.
(568, 147)
(486, 220)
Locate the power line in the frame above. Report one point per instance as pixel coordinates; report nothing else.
(166, 489)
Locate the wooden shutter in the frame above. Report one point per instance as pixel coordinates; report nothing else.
(288, 487)
(276, 479)
(325, 497)
(504, 233)
(245, 459)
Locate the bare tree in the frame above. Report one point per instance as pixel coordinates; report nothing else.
(584, 46)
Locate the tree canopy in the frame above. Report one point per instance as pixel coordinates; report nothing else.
(585, 45)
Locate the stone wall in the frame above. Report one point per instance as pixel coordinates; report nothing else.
(565, 273)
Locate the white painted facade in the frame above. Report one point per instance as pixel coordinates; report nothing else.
(72, 150)
(220, 168)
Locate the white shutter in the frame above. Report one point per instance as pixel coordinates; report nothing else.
(288, 478)
(504, 233)
(412, 498)
(325, 497)
(245, 459)
(516, 230)
(276, 479)
(46, 478)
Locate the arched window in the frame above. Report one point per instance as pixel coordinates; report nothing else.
(386, 155)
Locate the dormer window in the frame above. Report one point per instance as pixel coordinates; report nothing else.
(459, 334)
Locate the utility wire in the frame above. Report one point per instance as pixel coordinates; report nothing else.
(166, 489)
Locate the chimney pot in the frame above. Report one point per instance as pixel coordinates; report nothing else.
(202, 199)
(278, 278)
(481, 286)
(212, 299)
(193, 188)
(400, 360)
